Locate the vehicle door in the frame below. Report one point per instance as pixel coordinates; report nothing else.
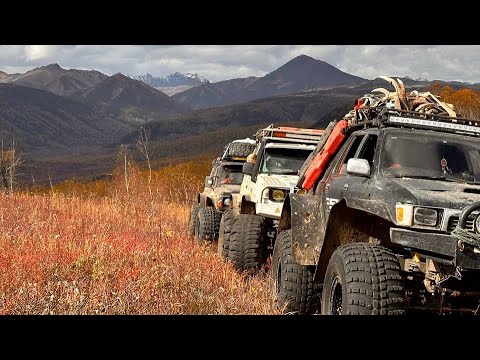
(356, 187)
(334, 182)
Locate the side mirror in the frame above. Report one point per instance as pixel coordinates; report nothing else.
(358, 167)
(247, 168)
(208, 181)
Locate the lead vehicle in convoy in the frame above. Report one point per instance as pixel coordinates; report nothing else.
(389, 219)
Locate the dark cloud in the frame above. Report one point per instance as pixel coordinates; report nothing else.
(452, 62)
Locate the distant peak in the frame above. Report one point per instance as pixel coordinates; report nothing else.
(303, 57)
(54, 66)
(119, 76)
(303, 60)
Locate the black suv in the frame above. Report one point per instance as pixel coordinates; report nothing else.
(391, 225)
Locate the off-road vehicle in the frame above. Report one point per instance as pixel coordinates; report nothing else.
(248, 229)
(224, 180)
(388, 220)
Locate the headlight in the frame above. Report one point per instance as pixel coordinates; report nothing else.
(404, 214)
(226, 202)
(408, 215)
(425, 216)
(278, 195)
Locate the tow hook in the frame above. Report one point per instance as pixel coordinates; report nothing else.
(462, 234)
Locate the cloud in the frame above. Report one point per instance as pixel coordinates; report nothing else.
(220, 62)
(36, 52)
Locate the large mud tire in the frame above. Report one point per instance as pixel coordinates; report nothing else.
(205, 230)
(193, 223)
(248, 246)
(225, 230)
(217, 217)
(363, 279)
(292, 286)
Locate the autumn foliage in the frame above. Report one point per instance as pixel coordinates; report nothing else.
(466, 101)
(98, 248)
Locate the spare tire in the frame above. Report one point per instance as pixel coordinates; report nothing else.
(239, 149)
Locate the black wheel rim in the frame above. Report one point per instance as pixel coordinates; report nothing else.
(336, 297)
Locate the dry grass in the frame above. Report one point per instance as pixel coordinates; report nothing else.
(112, 255)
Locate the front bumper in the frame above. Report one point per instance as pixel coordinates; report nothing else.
(440, 247)
(271, 211)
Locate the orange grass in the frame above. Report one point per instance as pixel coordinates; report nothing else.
(120, 254)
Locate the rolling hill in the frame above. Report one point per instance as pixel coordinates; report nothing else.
(130, 99)
(214, 94)
(42, 121)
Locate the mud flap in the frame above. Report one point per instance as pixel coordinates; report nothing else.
(308, 224)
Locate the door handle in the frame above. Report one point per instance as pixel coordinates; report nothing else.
(345, 187)
(327, 186)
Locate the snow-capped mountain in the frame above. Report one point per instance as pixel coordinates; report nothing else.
(172, 80)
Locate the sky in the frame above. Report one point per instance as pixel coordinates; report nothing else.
(222, 62)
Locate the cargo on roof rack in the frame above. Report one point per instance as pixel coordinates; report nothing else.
(417, 120)
(290, 134)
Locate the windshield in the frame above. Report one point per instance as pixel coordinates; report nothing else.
(283, 161)
(230, 174)
(447, 157)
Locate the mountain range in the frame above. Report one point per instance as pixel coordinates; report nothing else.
(172, 80)
(55, 79)
(73, 120)
(173, 83)
(299, 74)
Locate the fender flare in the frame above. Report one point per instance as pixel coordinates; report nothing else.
(307, 224)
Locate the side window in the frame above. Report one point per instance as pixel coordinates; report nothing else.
(341, 167)
(367, 151)
(214, 175)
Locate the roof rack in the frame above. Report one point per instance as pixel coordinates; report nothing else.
(413, 119)
(290, 134)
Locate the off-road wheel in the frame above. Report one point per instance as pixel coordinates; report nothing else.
(205, 230)
(217, 216)
(240, 149)
(248, 247)
(226, 224)
(193, 223)
(363, 279)
(292, 286)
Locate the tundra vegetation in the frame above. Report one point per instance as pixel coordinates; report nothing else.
(117, 246)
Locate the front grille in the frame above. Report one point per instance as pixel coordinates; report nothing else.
(453, 222)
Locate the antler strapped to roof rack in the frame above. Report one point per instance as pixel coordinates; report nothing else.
(416, 109)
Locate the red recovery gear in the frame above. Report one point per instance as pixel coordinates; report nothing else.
(316, 168)
(358, 104)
